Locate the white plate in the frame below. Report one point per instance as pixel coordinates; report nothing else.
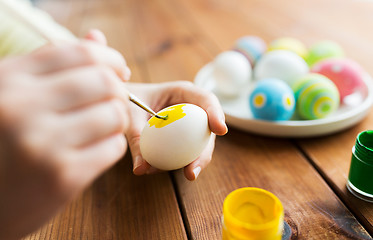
(237, 112)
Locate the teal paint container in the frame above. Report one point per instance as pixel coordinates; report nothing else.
(360, 178)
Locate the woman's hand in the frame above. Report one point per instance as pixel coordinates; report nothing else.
(62, 119)
(159, 96)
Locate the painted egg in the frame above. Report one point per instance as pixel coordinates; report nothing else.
(177, 141)
(231, 72)
(281, 64)
(272, 99)
(290, 44)
(346, 74)
(323, 50)
(252, 47)
(316, 96)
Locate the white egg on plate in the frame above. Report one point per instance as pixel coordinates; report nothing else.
(231, 72)
(281, 64)
(177, 141)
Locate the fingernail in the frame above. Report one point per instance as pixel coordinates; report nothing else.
(137, 162)
(151, 170)
(225, 126)
(127, 73)
(196, 172)
(222, 120)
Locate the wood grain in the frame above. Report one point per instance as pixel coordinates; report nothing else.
(165, 40)
(242, 160)
(332, 156)
(119, 205)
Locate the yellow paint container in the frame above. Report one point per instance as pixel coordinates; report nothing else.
(252, 213)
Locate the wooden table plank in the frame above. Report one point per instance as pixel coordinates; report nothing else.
(171, 40)
(118, 205)
(332, 156)
(240, 160)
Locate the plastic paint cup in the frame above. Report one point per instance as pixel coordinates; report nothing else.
(360, 178)
(252, 213)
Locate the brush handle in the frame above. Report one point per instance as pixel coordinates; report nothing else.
(142, 105)
(139, 103)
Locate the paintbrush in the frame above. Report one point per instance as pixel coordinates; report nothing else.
(21, 18)
(139, 103)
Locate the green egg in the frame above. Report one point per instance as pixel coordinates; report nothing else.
(316, 96)
(323, 50)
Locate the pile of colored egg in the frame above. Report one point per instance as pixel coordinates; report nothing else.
(287, 78)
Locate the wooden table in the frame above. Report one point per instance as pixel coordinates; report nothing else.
(166, 40)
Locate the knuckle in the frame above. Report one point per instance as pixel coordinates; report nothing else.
(120, 112)
(179, 87)
(87, 52)
(183, 84)
(36, 136)
(211, 97)
(108, 78)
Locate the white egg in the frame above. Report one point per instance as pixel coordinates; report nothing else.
(281, 64)
(231, 72)
(177, 141)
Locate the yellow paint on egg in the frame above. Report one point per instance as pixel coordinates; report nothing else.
(173, 114)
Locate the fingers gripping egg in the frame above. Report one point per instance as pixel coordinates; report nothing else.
(177, 141)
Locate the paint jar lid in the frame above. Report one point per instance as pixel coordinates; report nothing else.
(364, 146)
(252, 213)
(360, 175)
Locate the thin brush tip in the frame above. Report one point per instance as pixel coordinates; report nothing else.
(161, 117)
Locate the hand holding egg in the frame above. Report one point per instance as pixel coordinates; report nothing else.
(176, 141)
(161, 96)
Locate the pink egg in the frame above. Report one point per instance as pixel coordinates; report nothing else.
(345, 73)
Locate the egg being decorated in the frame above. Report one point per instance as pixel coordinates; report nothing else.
(281, 64)
(272, 99)
(177, 141)
(231, 72)
(316, 96)
(252, 47)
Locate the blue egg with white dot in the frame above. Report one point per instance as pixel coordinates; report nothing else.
(272, 99)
